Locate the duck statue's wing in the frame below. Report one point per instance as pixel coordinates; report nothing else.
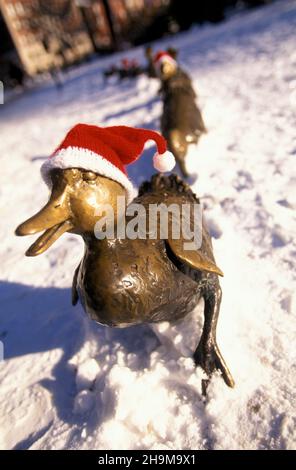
(195, 259)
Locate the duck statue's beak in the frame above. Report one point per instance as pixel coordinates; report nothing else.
(54, 218)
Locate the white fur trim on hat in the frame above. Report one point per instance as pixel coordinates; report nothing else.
(165, 58)
(164, 161)
(75, 157)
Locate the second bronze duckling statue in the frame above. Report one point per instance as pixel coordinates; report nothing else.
(182, 123)
(121, 281)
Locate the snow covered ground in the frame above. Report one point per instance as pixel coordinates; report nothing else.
(69, 384)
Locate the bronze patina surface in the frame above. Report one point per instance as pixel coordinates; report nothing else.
(181, 122)
(123, 282)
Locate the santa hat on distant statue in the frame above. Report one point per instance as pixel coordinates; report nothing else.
(106, 151)
(161, 57)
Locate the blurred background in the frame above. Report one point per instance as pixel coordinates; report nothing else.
(38, 36)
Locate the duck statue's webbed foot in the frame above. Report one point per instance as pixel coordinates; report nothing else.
(207, 354)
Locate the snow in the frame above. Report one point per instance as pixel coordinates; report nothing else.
(67, 383)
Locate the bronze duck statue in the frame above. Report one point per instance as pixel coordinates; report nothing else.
(181, 122)
(120, 281)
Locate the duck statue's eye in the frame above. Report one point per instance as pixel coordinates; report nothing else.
(89, 176)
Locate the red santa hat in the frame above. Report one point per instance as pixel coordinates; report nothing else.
(125, 63)
(106, 151)
(161, 57)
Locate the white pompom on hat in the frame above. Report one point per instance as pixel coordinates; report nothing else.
(106, 151)
(164, 162)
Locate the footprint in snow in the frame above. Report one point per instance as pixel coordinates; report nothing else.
(214, 228)
(278, 237)
(243, 181)
(86, 375)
